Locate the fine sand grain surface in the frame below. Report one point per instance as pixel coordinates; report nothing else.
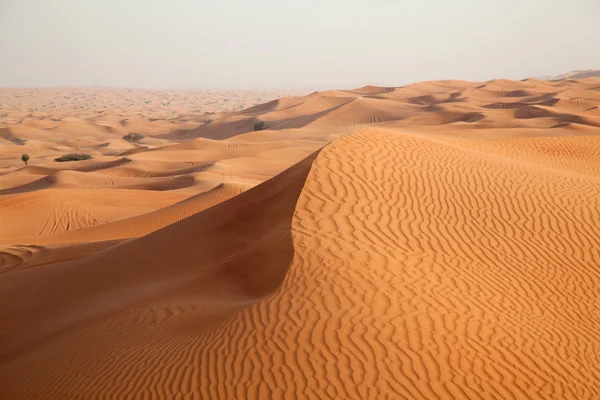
(438, 240)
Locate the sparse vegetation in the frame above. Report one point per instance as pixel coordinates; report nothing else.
(259, 126)
(25, 158)
(19, 142)
(133, 137)
(73, 157)
(207, 121)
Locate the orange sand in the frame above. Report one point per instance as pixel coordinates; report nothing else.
(444, 244)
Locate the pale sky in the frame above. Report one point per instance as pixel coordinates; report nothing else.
(267, 44)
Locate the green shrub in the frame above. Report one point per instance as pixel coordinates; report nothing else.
(25, 158)
(259, 126)
(73, 157)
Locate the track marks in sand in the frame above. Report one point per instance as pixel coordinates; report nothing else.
(51, 211)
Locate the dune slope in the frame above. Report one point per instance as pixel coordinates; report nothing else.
(415, 267)
(205, 281)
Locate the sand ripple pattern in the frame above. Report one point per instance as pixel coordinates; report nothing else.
(424, 268)
(427, 269)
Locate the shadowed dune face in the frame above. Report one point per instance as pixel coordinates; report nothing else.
(444, 244)
(209, 270)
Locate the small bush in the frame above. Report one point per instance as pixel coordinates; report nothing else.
(73, 157)
(259, 126)
(133, 137)
(207, 121)
(25, 158)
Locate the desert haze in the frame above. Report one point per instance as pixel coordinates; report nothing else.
(436, 240)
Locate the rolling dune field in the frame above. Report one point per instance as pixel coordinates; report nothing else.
(439, 240)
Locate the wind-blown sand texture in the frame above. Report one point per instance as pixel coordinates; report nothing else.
(443, 244)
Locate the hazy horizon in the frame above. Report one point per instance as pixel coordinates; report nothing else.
(270, 45)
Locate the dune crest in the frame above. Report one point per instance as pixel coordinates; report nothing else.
(442, 244)
(423, 268)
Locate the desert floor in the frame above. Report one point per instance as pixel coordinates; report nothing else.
(437, 240)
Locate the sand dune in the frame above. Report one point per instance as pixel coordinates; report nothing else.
(442, 244)
(80, 180)
(412, 106)
(579, 74)
(56, 210)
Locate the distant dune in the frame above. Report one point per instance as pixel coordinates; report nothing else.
(437, 240)
(579, 74)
